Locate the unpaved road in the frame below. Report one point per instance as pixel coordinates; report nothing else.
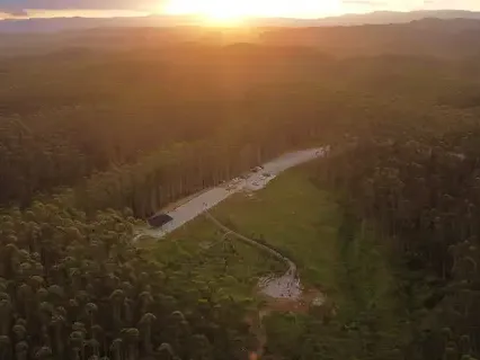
(250, 182)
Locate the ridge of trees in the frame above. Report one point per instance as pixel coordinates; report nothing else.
(420, 187)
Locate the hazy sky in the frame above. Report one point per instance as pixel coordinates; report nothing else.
(285, 8)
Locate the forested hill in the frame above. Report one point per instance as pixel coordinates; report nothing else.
(92, 139)
(429, 36)
(68, 115)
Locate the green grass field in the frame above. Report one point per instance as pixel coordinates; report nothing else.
(295, 216)
(291, 213)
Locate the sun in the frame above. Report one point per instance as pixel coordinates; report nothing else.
(214, 12)
(233, 12)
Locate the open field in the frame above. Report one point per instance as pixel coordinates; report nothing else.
(290, 214)
(294, 215)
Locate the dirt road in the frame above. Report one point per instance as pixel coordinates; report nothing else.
(252, 181)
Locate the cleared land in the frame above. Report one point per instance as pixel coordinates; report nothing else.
(304, 221)
(194, 206)
(291, 213)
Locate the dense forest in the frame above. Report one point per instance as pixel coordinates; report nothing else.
(420, 188)
(93, 141)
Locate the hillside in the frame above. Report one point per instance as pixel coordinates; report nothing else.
(456, 38)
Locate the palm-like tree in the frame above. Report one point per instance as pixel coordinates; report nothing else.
(10, 259)
(117, 297)
(21, 350)
(77, 341)
(94, 347)
(131, 337)
(5, 313)
(128, 306)
(116, 349)
(58, 322)
(165, 352)
(91, 310)
(145, 325)
(44, 353)
(24, 298)
(98, 333)
(200, 348)
(5, 346)
(146, 299)
(19, 332)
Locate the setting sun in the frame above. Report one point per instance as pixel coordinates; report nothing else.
(213, 11)
(234, 11)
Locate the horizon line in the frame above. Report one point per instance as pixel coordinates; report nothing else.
(89, 14)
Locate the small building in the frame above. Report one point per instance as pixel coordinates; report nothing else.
(159, 220)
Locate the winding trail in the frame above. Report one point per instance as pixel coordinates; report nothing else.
(286, 286)
(252, 242)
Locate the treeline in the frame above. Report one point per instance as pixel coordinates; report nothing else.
(419, 186)
(65, 117)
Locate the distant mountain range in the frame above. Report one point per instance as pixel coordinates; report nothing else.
(39, 25)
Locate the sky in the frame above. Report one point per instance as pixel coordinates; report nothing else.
(219, 8)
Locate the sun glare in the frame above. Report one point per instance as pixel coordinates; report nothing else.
(212, 11)
(232, 12)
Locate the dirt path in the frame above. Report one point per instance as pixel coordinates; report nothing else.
(287, 286)
(283, 294)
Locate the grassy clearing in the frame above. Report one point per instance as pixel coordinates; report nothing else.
(333, 254)
(201, 248)
(295, 216)
(291, 213)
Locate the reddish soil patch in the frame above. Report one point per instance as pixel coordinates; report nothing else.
(299, 306)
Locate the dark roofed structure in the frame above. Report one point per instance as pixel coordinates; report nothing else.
(159, 220)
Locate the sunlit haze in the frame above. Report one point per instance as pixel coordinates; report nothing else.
(220, 11)
(238, 9)
(235, 11)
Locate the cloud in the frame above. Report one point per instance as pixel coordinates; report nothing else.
(407, 5)
(449, 4)
(18, 7)
(14, 12)
(366, 2)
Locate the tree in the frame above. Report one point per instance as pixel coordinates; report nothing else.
(131, 337)
(145, 326)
